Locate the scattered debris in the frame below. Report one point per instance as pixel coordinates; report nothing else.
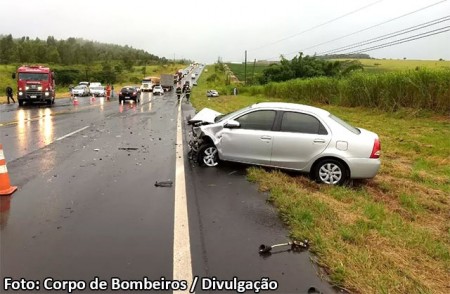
(295, 246)
(128, 148)
(163, 184)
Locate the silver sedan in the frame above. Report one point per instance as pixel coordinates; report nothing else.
(288, 136)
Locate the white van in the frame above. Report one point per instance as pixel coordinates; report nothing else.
(193, 76)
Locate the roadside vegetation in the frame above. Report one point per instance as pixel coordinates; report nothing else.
(74, 60)
(390, 234)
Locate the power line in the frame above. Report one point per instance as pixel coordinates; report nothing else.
(317, 26)
(404, 40)
(362, 30)
(371, 27)
(387, 36)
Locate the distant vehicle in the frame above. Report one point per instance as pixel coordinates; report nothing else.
(288, 136)
(148, 83)
(158, 90)
(193, 76)
(35, 84)
(129, 93)
(80, 90)
(97, 90)
(212, 93)
(194, 84)
(167, 82)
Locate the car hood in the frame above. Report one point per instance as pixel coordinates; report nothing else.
(205, 115)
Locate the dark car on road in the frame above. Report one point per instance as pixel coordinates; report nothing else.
(129, 93)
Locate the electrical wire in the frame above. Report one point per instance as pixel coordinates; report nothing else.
(317, 26)
(404, 40)
(387, 36)
(362, 30)
(371, 27)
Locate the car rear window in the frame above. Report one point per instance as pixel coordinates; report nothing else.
(345, 124)
(301, 123)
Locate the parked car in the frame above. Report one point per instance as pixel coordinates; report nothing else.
(95, 84)
(129, 93)
(97, 90)
(80, 90)
(158, 90)
(288, 136)
(212, 93)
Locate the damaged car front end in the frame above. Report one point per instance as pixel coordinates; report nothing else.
(203, 137)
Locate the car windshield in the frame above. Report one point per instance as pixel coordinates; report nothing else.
(33, 76)
(224, 117)
(345, 124)
(80, 87)
(96, 88)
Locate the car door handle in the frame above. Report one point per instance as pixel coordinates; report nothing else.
(319, 141)
(266, 138)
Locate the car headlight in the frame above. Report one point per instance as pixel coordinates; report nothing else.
(20, 93)
(27, 88)
(40, 88)
(47, 93)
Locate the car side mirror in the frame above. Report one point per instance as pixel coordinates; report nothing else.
(13, 76)
(232, 124)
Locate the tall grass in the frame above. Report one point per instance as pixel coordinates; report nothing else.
(419, 89)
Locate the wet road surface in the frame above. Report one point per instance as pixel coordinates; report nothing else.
(87, 205)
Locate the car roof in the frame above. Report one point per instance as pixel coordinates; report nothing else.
(291, 106)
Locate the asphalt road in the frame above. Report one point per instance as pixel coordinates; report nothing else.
(87, 205)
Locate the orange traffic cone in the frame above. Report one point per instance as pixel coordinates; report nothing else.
(5, 186)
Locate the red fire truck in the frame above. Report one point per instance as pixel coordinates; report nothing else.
(35, 84)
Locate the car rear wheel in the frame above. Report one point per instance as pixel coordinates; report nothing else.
(208, 155)
(331, 172)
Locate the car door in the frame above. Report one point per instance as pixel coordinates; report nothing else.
(252, 141)
(301, 138)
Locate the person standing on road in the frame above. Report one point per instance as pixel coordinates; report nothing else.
(9, 94)
(178, 91)
(188, 93)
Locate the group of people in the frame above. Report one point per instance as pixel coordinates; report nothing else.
(186, 90)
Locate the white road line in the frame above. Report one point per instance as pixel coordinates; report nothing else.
(182, 264)
(70, 134)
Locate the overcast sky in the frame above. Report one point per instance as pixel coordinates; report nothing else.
(203, 30)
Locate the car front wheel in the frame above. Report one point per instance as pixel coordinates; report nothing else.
(331, 172)
(208, 155)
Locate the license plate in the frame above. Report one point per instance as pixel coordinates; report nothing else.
(33, 96)
(128, 97)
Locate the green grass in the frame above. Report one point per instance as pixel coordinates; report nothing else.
(390, 234)
(253, 70)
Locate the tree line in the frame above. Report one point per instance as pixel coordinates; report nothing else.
(70, 52)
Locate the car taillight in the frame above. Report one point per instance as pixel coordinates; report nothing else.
(376, 150)
(134, 93)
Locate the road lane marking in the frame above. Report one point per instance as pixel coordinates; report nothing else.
(182, 263)
(70, 134)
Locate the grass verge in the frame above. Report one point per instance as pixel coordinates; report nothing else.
(390, 234)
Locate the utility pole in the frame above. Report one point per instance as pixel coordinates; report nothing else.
(245, 69)
(253, 75)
